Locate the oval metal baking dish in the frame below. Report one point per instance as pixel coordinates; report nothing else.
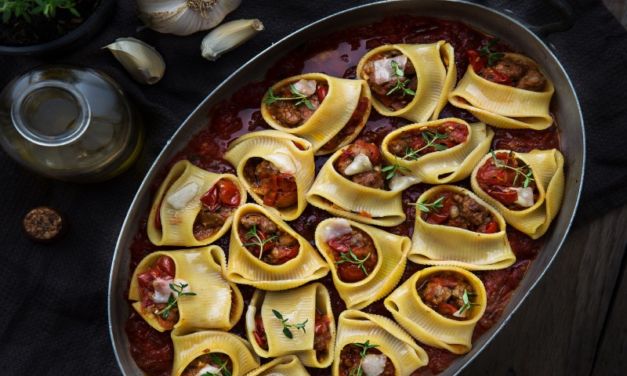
(566, 110)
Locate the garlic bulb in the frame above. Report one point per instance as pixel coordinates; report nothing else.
(228, 36)
(184, 17)
(140, 59)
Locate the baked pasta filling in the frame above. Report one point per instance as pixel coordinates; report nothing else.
(209, 364)
(158, 289)
(277, 189)
(454, 209)
(364, 359)
(508, 180)
(502, 69)
(293, 104)
(449, 294)
(217, 206)
(355, 121)
(413, 144)
(265, 240)
(392, 79)
(361, 164)
(322, 334)
(355, 255)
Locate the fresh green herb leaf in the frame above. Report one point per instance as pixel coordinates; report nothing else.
(401, 85)
(467, 304)
(430, 139)
(255, 239)
(297, 96)
(365, 346)
(523, 172)
(493, 57)
(178, 289)
(26, 9)
(286, 325)
(393, 170)
(352, 258)
(426, 208)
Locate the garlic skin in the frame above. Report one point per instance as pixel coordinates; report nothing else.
(144, 63)
(184, 17)
(228, 36)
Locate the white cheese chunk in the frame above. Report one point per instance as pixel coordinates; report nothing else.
(210, 370)
(461, 315)
(373, 364)
(179, 199)
(383, 70)
(401, 182)
(361, 163)
(525, 197)
(335, 229)
(306, 87)
(282, 161)
(163, 291)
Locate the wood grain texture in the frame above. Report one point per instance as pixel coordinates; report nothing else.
(611, 356)
(559, 326)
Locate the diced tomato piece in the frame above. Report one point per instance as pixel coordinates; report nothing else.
(210, 198)
(322, 91)
(506, 197)
(446, 309)
(491, 227)
(495, 76)
(229, 193)
(476, 60)
(166, 266)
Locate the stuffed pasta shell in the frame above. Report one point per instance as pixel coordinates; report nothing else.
(455, 227)
(439, 151)
(366, 262)
(440, 306)
(353, 184)
(411, 81)
(276, 169)
(266, 253)
(508, 91)
(526, 188)
(298, 321)
(193, 207)
(212, 352)
(327, 111)
(288, 365)
(185, 290)
(370, 344)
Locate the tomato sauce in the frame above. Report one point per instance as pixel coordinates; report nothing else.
(338, 55)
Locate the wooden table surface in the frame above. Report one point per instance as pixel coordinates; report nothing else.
(575, 321)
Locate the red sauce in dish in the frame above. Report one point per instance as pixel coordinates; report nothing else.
(338, 55)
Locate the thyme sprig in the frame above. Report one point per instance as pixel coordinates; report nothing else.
(430, 139)
(352, 258)
(178, 289)
(26, 9)
(223, 371)
(286, 326)
(394, 169)
(467, 303)
(296, 96)
(426, 208)
(527, 176)
(400, 84)
(256, 240)
(365, 346)
(493, 57)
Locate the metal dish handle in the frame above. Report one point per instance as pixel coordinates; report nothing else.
(567, 15)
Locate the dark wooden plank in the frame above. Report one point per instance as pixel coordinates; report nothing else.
(557, 329)
(611, 358)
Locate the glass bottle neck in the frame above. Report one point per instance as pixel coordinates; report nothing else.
(51, 113)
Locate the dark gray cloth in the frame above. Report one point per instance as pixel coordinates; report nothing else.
(53, 314)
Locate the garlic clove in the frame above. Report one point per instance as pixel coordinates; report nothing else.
(228, 36)
(184, 17)
(144, 63)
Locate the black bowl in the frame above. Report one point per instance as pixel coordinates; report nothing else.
(73, 39)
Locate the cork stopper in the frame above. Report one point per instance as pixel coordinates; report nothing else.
(44, 224)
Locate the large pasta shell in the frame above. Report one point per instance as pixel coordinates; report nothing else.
(334, 193)
(548, 172)
(503, 106)
(244, 268)
(436, 73)
(392, 257)
(359, 327)
(178, 224)
(265, 144)
(285, 365)
(446, 245)
(446, 166)
(427, 325)
(332, 115)
(189, 346)
(298, 305)
(218, 303)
